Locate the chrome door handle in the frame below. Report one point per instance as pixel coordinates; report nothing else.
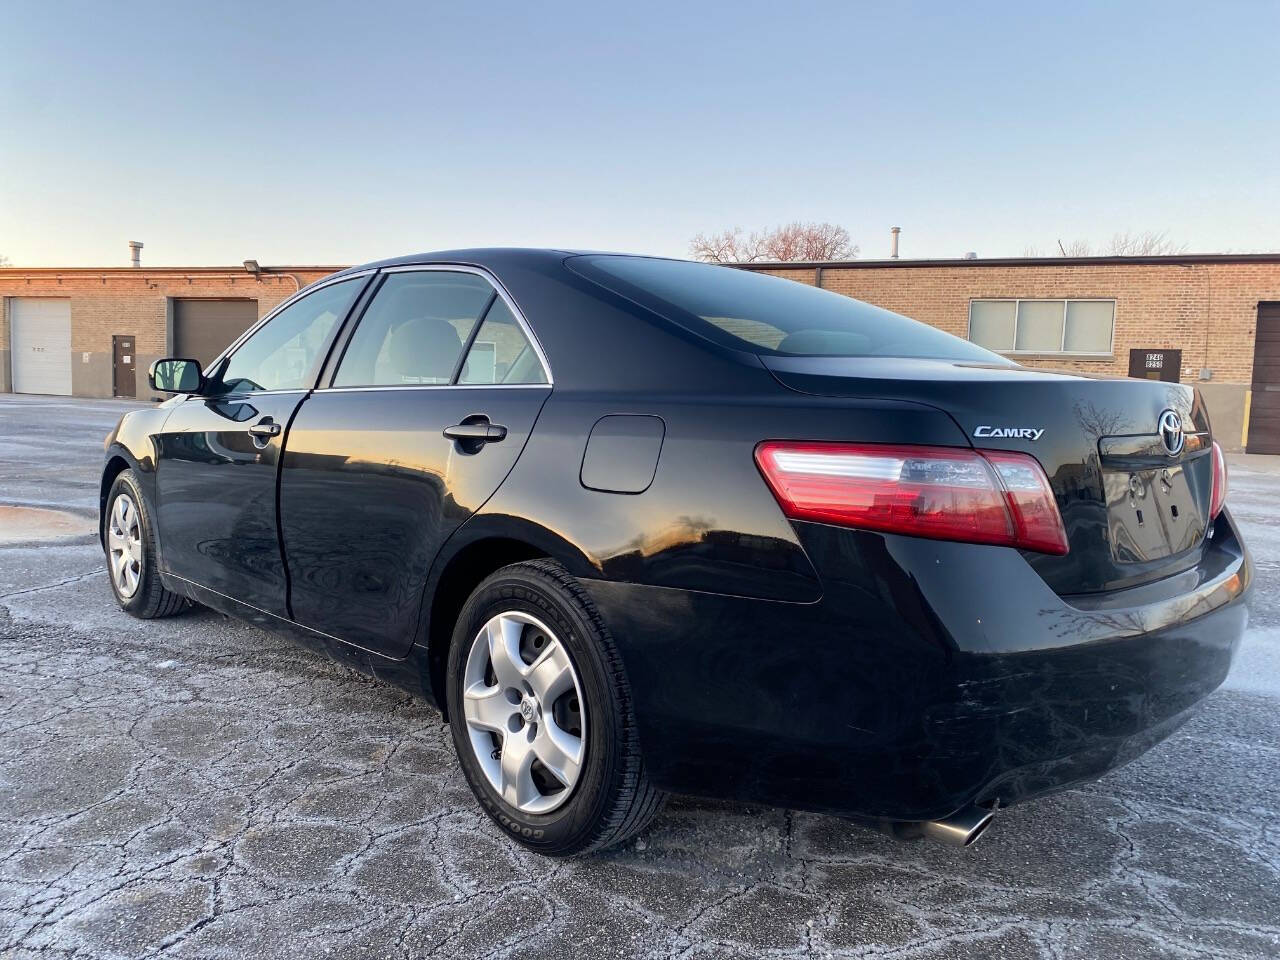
(265, 428)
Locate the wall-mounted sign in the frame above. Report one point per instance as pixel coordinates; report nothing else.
(1156, 364)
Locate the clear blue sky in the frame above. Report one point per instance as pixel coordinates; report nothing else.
(317, 133)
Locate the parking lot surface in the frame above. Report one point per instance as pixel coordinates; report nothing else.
(194, 787)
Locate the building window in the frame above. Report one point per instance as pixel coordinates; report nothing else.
(1043, 326)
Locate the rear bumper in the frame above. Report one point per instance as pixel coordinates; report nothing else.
(928, 677)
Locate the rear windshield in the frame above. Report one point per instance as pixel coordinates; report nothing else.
(762, 314)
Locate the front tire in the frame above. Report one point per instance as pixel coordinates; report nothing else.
(130, 543)
(541, 714)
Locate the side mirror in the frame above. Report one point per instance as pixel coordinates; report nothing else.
(172, 375)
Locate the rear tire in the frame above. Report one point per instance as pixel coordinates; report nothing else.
(537, 611)
(130, 544)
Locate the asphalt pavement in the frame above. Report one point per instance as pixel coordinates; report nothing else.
(194, 787)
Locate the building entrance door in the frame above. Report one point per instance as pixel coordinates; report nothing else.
(124, 367)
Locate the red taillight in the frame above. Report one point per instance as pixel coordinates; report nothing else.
(1219, 495)
(944, 493)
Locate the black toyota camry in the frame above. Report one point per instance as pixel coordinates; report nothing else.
(642, 526)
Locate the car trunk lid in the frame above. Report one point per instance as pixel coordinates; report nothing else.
(1134, 511)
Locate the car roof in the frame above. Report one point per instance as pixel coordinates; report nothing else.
(477, 256)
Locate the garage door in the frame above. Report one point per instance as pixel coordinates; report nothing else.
(202, 329)
(40, 341)
(1264, 413)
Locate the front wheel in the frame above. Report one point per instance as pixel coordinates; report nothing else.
(130, 542)
(541, 714)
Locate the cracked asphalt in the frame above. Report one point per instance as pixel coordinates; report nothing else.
(194, 787)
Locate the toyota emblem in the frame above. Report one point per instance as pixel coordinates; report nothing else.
(1171, 435)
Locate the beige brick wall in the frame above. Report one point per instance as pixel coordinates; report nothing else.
(131, 303)
(1208, 310)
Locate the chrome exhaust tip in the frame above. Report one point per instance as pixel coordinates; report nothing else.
(959, 830)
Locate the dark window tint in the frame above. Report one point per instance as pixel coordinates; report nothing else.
(501, 353)
(763, 314)
(283, 353)
(414, 329)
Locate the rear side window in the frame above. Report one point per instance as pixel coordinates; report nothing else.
(414, 330)
(769, 315)
(501, 353)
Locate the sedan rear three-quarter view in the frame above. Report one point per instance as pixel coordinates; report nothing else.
(643, 526)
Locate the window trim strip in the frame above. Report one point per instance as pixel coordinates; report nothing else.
(436, 386)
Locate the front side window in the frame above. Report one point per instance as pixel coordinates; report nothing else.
(768, 315)
(1043, 326)
(414, 330)
(283, 353)
(501, 353)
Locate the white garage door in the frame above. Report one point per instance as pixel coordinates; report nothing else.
(40, 344)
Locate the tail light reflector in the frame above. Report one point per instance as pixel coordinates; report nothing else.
(943, 493)
(1219, 495)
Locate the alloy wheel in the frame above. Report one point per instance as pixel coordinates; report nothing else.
(524, 711)
(124, 546)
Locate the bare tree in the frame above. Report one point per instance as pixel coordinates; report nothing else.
(728, 246)
(1076, 248)
(1149, 243)
(809, 241)
(789, 242)
(4, 261)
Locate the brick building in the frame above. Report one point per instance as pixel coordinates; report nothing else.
(93, 332)
(1209, 319)
(1212, 320)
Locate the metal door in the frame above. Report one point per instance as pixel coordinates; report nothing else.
(124, 366)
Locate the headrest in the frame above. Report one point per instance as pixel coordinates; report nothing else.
(424, 348)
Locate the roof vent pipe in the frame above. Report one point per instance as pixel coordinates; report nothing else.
(135, 253)
(893, 243)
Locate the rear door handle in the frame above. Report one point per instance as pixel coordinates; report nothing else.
(266, 427)
(482, 432)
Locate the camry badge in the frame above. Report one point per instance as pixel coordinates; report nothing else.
(1172, 437)
(1012, 433)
